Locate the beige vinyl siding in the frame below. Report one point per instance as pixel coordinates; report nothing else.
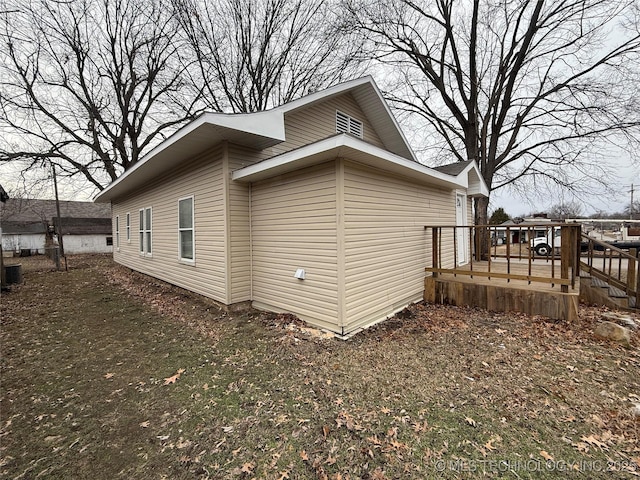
(293, 221)
(386, 245)
(203, 179)
(239, 224)
(318, 122)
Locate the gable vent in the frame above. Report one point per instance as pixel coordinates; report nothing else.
(347, 124)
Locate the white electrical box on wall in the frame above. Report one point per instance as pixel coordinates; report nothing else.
(299, 274)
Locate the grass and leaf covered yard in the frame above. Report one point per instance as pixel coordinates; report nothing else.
(107, 373)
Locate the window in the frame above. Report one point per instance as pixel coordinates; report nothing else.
(185, 229)
(109, 241)
(128, 228)
(347, 124)
(145, 231)
(117, 232)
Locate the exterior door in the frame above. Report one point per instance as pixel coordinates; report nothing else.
(462, 235)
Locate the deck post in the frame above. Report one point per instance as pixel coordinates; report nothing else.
(632, 281)
(566, 256)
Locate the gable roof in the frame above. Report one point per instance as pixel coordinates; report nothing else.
(453, 168)
(85, 226)
(257, 130)
(372, 104)
(348, 146)
(29, 215)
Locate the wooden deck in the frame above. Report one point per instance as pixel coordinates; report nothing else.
(513, 286)
(518, 273)
(517, 278)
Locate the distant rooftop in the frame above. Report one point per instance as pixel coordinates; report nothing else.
(30, 216)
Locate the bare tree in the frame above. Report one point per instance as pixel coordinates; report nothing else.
(88, 84)
(527, 88)
(256, 54)
(564, 210)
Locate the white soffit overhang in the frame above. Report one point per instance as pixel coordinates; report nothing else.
(257, 130)
(351, 148)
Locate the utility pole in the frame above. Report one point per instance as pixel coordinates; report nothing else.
(631, 204)
(58, 227)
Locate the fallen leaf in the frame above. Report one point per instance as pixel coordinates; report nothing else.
(398, 446)
(227, 429)
(378, 474)
(545, 455)
(145, 424)
(593, 441)
(174, 378)
(325, 431)
(283, 475)
(489, 445)
(375, 440)
(304, 456)
(471, 421)
(109, 375)
(329, 461)
(247, 467)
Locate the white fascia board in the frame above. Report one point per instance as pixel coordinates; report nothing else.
(477, 188)
(341, 144)
(393, 119)
(327, 92)
(265, 124)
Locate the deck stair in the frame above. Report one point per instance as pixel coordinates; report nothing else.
(610, 295)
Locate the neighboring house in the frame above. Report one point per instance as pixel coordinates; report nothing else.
(316, 208)
(27, 226)
(522, 231)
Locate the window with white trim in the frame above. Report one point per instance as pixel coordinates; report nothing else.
(145, 231)
(128, 227)
(186, 234)
(348, 124)
(117, 232)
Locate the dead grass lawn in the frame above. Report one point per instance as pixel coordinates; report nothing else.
(107, 373)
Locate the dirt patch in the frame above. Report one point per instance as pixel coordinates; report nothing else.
(108, 373)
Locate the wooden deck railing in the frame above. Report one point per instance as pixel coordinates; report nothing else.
(482, 246)
(612, 265)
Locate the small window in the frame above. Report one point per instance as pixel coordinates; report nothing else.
(128, 227)
(141, 224)
(117, 232)
(347, 124)
(186, 244)
(145, 231)
(109, 241)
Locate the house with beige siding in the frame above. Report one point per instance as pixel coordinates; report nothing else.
(315, 208)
